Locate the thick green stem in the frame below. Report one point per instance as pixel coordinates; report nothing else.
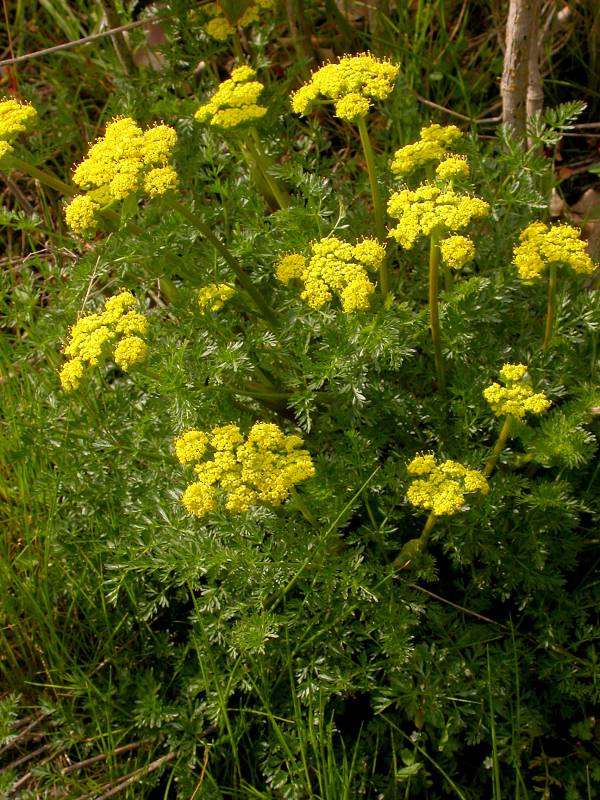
(551, 306)
(434, 316)
(378, 207)
(424, 538)
(47, 178)
(237, 47)
(231, 260)
(262, 162)
(492, 459)
(415, 546)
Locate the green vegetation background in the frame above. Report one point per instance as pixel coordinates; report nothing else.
(257, 656)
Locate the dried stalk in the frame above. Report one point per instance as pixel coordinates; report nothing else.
(521, 67)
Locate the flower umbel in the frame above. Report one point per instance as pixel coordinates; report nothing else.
(214, 296)
(542, 245)
(92, 336)
(334, 266)
(430, 208)
(125, 161)
(352, 83)
(15, 118)
(431, 146)
(442, 487)
(261, 468)
(221, 28)
(235, 101)
(516, 398)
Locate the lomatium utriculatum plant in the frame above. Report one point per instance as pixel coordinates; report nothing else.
(366, 504)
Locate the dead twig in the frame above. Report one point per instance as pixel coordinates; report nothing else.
(112, 789)
(103, 756)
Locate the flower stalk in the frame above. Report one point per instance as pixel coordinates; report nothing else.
(552, 282)
(377, 203)
(43, 176)
(492, 459)
(263, 164)
(434, 317)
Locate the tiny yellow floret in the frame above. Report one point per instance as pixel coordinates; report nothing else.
(214, 296)
(5, 149)
(129, 351)
(452, 167)
(290, 267)
(93, 335)
(71, 374)
(430, 208)
(541, 245)
(191, 446)
(222, 25)
(235, 101)
(443, 489)
(124, 162)
(261, 468)
(431, 146)
(160, 181)
(336, 267)
(80, 214)
(517, 398)
(457, 251)
(351, 83)
(15, 118)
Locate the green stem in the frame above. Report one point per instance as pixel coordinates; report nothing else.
(594, 355)
(434, 316)
(551, 306)
(237, 47)
(47, 178)
(231, 260)
(377, 203)
(492, 459)
(415, 546)
(424, 538)
(263, 164)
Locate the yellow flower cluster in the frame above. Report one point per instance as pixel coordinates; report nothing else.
(235, 101)
(351, 84)
(260, 469)
(433, 143)
(214, 296)
(430, 208)
(444, 486)
(220, 28)
(516, 398)
(457, 251)
(119, 325)
(336, 266)
(452, 167)
(124, 161)
(541, 245)
(15, 118)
